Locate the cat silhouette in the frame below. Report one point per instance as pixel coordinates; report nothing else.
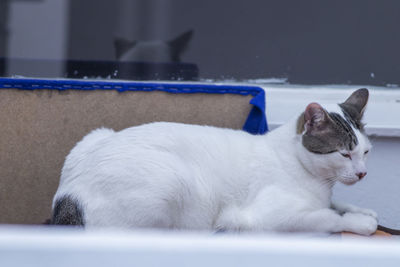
(152, 51)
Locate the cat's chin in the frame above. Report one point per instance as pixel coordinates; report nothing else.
(347, 181)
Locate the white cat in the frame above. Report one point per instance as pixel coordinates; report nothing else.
(177, 176)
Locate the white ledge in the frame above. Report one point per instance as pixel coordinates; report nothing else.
(40, 246)
(382, 116)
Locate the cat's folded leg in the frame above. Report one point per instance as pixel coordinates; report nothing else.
(323, 220)
(328, 220)
(233, 219)
(342, 208)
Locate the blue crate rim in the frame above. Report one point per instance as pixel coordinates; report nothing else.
(121, 86)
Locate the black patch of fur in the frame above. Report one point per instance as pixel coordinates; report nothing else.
(67, 211)
(47, 221)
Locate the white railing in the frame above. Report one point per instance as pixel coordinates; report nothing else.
(47, 246)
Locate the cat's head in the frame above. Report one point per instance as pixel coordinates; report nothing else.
(336, 146)
(152, 51)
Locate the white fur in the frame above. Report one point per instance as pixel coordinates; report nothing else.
(170, 175)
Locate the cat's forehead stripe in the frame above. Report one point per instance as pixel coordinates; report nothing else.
(346, 129)
(349, 118)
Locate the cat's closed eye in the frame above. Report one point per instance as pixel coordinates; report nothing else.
(366, 152)
(346, 155)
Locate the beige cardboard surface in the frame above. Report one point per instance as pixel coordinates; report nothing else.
(40, 127)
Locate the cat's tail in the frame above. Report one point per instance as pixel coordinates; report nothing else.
(67, 211)
(389, 230)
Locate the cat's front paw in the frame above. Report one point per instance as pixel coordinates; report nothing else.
(368, 212)
(343, 208)
(358, 223)
(233, 220)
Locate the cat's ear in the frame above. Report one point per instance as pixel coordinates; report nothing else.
(315, 118)
(356, 103)
(122, 45)
(179, 45)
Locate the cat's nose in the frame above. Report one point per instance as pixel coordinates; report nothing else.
(361, 174)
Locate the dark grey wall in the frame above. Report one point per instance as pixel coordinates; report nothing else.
(91, 27)
(3, 34)
(3, 27)
(308, 41)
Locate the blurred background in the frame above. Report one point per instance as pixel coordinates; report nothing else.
(302, 42)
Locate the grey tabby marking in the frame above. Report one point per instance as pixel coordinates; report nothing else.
(329, 132)
(345, 130)
(337, 134)
(67, 211)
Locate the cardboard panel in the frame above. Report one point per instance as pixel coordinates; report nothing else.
(40, 127)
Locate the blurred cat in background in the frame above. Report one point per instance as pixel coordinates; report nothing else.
(152, 51)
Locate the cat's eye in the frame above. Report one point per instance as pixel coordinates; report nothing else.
(346, 155)
(366, 152)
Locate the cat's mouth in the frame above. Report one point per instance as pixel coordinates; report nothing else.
(348, 180)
